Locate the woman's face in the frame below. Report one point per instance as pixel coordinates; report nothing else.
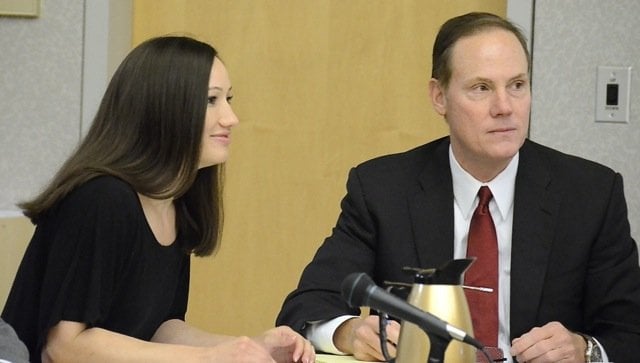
(219, 118)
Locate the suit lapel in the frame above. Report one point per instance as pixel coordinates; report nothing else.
(535, 209)
(431, 209)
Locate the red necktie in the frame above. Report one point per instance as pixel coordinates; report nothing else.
(482, 243)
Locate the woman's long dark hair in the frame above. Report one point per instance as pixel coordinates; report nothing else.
(148, 132)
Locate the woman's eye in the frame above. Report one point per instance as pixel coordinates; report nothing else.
(212, 99)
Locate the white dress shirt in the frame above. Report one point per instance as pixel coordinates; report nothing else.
(465, 201)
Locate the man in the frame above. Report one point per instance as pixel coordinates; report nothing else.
(569, 280)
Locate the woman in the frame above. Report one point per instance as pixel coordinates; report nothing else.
(105, 277)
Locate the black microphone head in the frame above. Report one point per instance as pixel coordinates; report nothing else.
(356, 289)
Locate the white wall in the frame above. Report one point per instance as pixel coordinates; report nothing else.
(570, 39)
(40, 94)
(53, 71)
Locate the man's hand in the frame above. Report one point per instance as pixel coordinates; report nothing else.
(550, 343)
(285, 345)
(361, 337)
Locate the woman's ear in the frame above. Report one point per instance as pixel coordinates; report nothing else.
(438, 98)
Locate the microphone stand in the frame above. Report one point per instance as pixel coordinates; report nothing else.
(438, 345)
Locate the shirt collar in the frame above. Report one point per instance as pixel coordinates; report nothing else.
(465, 186)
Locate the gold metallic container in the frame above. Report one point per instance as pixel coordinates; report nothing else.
(439, 292)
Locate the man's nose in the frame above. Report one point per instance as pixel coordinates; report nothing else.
(501, 104)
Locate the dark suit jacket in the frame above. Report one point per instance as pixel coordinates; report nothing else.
(573, 259)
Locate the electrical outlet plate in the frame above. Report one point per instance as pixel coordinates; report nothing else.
(612, 94)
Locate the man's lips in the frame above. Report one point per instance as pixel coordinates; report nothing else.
(502, 130)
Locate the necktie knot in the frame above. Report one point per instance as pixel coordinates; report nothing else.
(485, 197)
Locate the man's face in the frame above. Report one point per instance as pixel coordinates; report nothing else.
(487, 101)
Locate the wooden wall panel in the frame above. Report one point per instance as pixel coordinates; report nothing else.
(320, 85)
(15, 233)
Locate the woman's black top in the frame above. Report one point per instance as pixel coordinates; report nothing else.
(94, 259)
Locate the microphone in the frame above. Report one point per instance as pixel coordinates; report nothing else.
(359, 290)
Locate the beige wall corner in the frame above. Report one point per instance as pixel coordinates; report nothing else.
(15, 234)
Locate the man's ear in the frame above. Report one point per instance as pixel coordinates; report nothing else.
(438, 98)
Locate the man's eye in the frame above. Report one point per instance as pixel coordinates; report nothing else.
(519, 86)
(480, 88)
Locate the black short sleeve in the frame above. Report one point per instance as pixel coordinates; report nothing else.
(94, 259)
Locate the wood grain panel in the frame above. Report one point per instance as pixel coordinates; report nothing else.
(319, 86)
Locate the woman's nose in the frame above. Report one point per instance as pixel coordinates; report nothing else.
(229, 118)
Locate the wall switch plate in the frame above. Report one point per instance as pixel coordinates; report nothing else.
(612, 94)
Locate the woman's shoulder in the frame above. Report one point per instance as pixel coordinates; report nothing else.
(103, 191)
(106, 183)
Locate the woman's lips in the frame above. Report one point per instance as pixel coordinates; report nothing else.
(222, 138)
